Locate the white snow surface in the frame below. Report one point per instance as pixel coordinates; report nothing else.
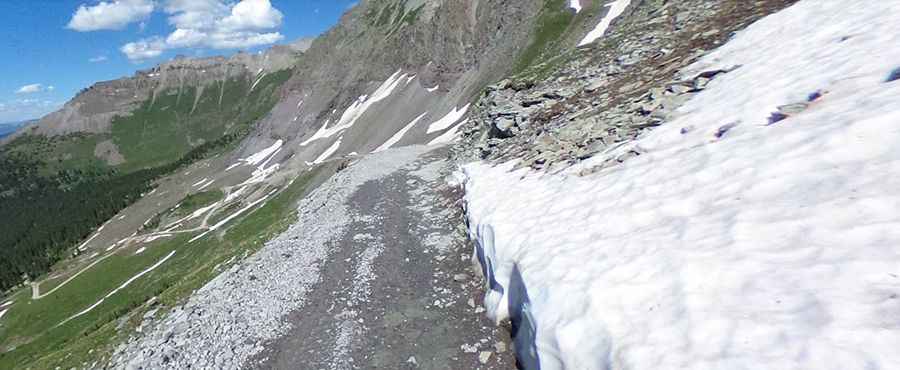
(772, 246)
(360, 106)
(616, 8)
(3, 312)
(399, 135)
(448, 120)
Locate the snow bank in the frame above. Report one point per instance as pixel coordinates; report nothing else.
(360, 106)
(761, 246)
(616, 8)
(399, 135)
(448, 120)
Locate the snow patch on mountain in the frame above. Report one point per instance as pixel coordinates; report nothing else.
(329, 152)
(733, 240)
(449, 136)
(399, 135)
(575, 5)
(360, 106)
(616, 8)
(448, 120)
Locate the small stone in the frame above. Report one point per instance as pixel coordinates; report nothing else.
(500, 347)
(471, 302)
(412, 360)
(791, 109)
(468, 348)
(484, 356)
(894, 76)
(460, 277)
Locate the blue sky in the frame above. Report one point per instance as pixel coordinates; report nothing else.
(50, 49)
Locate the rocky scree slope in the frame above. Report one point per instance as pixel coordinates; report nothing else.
(431, 59)
(594, 98)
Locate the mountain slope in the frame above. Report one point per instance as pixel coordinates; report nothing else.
(630, 137)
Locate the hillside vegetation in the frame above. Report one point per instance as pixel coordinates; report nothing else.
(61, 176)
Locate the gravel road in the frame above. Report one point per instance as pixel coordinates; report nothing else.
(376, 273)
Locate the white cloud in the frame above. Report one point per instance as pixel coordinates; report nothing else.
(251, 15)
(212, 24)
(98, 59)
(186, 38)
(240, 40)
(144, 49)
(22, 109)
(34, 88)
(113, 15)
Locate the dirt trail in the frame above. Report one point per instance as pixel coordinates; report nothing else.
(397, 290)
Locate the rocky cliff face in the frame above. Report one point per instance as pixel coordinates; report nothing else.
(93, 109)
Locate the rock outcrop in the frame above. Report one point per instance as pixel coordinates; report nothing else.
(599, 96)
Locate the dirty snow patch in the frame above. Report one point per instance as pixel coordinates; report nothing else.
(576, 5)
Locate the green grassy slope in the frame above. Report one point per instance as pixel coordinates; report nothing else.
(60, 176)
(33, 326)
(556, 21)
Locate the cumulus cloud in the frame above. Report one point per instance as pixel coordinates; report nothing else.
(98, 59)
(251, 15)
(34, 88)
(113, 15)
(144, 49)
(212, 24)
